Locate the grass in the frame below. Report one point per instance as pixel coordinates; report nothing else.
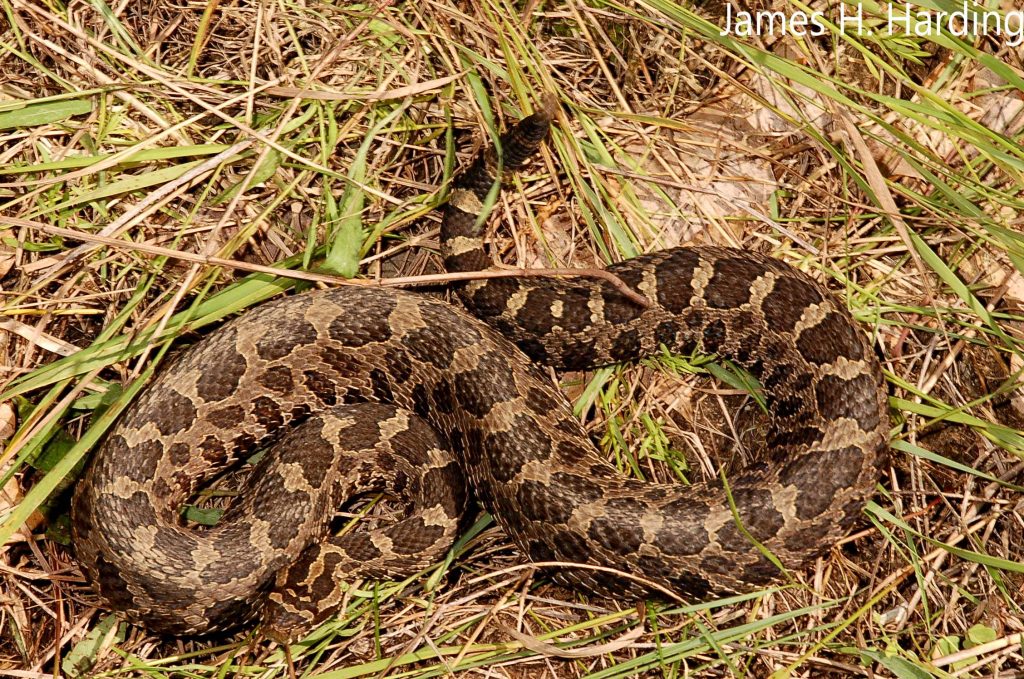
(156, 160)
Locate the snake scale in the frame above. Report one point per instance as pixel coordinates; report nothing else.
(364, 389)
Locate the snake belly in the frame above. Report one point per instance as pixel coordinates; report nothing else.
(360, 389)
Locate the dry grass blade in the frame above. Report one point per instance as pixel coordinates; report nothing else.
(544, 648)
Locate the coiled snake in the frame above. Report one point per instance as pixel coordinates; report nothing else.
(360, 389)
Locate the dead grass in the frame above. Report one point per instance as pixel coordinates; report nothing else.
(305, 135)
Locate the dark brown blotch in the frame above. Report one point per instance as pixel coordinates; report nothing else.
(535, 315)
(420, 400)
(178, 548)
(813, 534)
(353, 394)
(284, 339)
(788, 406)
(489, 383)
(471, 260)
(713, 336)
(539, 550)
(508, 450)
(138, 505)
(459, 220)
(467, 445)
(244, 442)
(758, 516)
(796, 437)
(112, 586)
(287, 511)
(618, 308)
(402, 483)
(691, 583)
(801, 382)
(445, 486)
(398, 364)
(609, 584)
(277, 378)
(618, 530)
(380, 382)
(359, 547)
(182, 480)
(320, 386)
(162, 488)
(681, 535)
(582, 489)
(228, 417)
(306, 446)
(674, 276)
(300, 411)
(626, 346)
(491, 299)
(444, 396)
(140, 462)
(536, 503)
(571, 426)
(748, 347)
(819, 476)
(179, 454)
(413, 536)
(229, 613)
(851, 510)
(568, 546)
(266, 411)
(567, 453)
(477, 178)
(221, 380)
(535, 349)
(777, 373)
(832, 337)
(543, 403)
(729, 287)
(358, 326)
(787, 301)
(666, 334)
(694, 320)
(362, 431)
(343, 363)
(853, 398)
(324, 583)
(745, 322)
(176, 413)
(650, 566)
(575, 317)
(762, 571)
(116, 447)
(212, 449)
(504, 326)
(425, 345)
(411, 443)
(521, 141)
(656, 493)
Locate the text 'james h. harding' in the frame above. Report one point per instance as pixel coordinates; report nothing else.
(894, 19)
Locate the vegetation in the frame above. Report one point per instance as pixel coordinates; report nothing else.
(157, 158)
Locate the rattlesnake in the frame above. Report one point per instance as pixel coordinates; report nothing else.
(416, 392)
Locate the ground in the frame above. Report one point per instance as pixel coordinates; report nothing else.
(155, 158)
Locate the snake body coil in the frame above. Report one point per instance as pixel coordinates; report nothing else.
(361, 389)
